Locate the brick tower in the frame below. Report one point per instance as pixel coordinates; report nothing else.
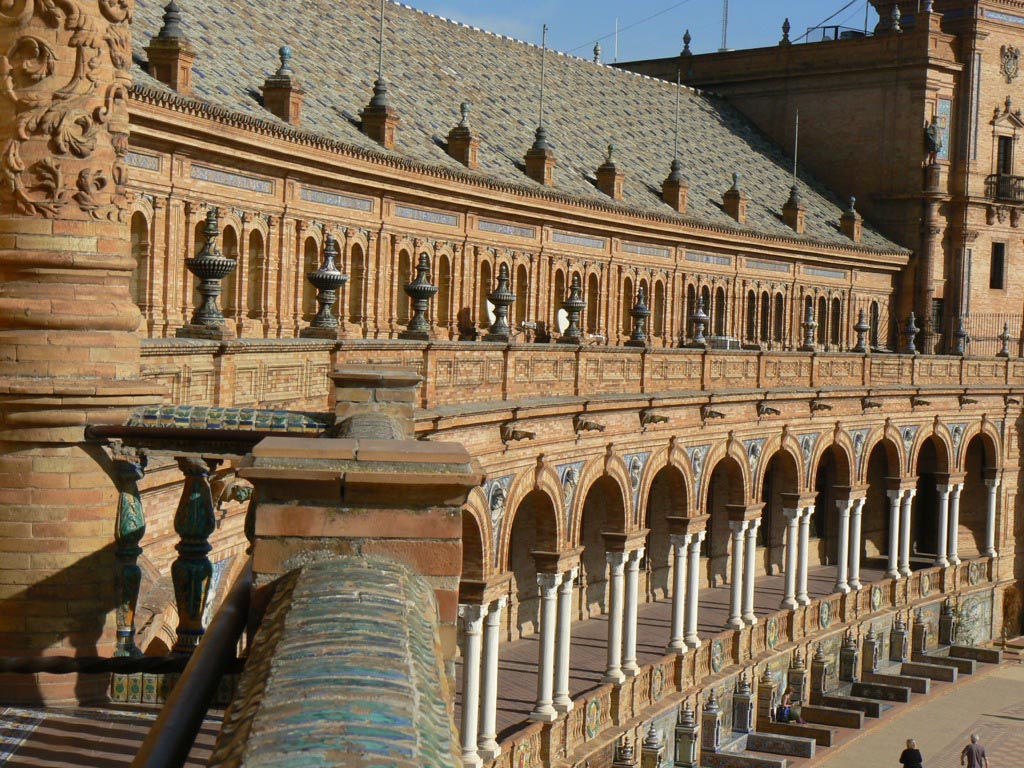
(68, 354)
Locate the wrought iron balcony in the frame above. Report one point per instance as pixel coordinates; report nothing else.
(999, 186)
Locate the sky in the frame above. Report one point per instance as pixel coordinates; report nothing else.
(574, 25)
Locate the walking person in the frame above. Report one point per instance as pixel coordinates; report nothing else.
(974, 755)
(911, 756)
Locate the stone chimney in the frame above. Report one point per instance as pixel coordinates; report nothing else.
(282, 94)
(540, 159)
(794, 211)
(675, 188)
(851, 223)
(609, 178)
(170, 54)
(462, 144)
(380, 119)
(735, 201)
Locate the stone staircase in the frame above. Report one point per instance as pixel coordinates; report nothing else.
(835, 710)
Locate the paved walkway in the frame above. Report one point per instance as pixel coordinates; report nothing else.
(517, 666)
(991, 706)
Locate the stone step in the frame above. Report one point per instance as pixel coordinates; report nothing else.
(963, 666)
(870, 707)
(777, 744)
(734, 760)
(880, 691)
(822, 734)
(984, 655)
(938, 672)
(833, 716)
(915, 684)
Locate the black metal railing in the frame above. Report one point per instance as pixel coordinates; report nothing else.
(1000, 186)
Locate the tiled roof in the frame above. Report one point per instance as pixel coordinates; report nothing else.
(432, 65)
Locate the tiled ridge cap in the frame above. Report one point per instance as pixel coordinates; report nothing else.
(199, 107)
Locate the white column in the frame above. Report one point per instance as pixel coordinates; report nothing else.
(954, 524)
(613, 671)
(488, 745)
(544, 709)
(693, 590)
(891, 570)
(801, 565)
(629, 665)
(943, 521)
(563, 644)
(679, 544)
(473, 621)
(843, 506)
(792, 544)
(906, 508)
(749, 572)
(990, 518)
(736, 584)
(855, 517)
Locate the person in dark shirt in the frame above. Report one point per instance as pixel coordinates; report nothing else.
(911, 756)
(974, 755)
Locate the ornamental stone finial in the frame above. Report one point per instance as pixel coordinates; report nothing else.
(172, 22)
(285, 70)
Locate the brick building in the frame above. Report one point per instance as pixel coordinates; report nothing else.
(675, 362)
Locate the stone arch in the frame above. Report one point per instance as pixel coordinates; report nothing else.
(980, 465)
(603, 511)
(779, 480)
(726, 486)
(930, 464)
(666, 496)
(731, 449)
(311, 249)
(671, 456)
(782, 443)
(141, 253)
(231, 247)
(256, 259)
(830, 472)
(477, 563)
(991, 440)
(889, 439)
(614, 469)
(532, 526)
(843, 453)
(882, 464)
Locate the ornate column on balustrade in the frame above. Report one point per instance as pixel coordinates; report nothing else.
(68, 352)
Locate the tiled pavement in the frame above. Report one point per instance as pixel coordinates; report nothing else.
(517, 676)
(97, 738)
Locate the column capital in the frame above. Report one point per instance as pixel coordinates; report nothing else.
(498, 605)
(943, 489)
(992, 483)
(844, 506)
(473, 616)
(895, 494)
(616, 559)
(698, 538)
(792, 515)
(637, 555)
(753, 525)
(549, 581)
(680, 540)
(737, 527)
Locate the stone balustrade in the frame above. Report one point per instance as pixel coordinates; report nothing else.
(601, 716)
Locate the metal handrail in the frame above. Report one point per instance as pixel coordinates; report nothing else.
(169, 741)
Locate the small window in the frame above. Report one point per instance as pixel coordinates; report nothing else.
(997, 269)
(1004, 159)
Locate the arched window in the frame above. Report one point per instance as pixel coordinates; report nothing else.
(405, 274)
(720, 325)
(689, 309)
(709, 310)
(835, 321)
(310, 263)
(356, 280)
(822, 319)
(658, 316)
(444, 293)
(198, 244)
(593, 304)
(766, 316)
(483, 318)
(229, 286)
(873, 323)
(627, 304)
(779, 318)
(751, 315)
(139, 285)
(257, 271)
(522, 291)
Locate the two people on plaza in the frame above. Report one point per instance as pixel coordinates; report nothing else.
(972, 756)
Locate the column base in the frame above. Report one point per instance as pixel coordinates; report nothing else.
(803, 600)
(750, 620)
(618, 678)
(905, 571)
(989, 553)
(892, 574)
(489, 750)
(855, 585)
(630, 670)
(788, 603)
(693, 642)
(678, 647)
(471, 760)
(563, 706)
(954, 560)
(842, 588)
(544, 713)
(941, 562)
(735, 622)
